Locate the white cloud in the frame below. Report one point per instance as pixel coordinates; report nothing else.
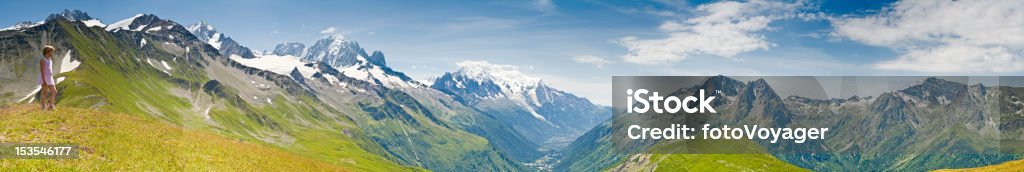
(944, 36)
(722, 29)
(957, 58)
(592, 60)
(329, 30)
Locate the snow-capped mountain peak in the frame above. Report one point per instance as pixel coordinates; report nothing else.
(205, 32)
(73, 15)
(334, 50)
(507, 76)
(76, 15)
(509, 94)
(291, 48)
(225, 45)
(479, 79)
(202, 25)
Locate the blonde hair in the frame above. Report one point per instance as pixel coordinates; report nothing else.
(48, 49)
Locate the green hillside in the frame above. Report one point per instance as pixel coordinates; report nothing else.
(119, 142)
(202, 91)
(116, 75)
(705, 162)
(1016, 165)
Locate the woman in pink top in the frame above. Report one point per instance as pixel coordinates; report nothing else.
(48, 90)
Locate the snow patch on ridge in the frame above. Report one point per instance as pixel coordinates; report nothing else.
(67, 65)
(94, 22)
(155, 29)
(30, 95)
(165, 65)
(278, 64)
(123, 24)
(215, 41)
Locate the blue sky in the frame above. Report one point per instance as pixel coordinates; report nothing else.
(577, 45)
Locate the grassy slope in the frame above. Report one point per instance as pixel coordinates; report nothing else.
(707, 162)
(404, 130)
(598, 153)
(720, 162)
(702, 162)
(717, 162)
(1017, 165)
(110, 78)
(114, 141)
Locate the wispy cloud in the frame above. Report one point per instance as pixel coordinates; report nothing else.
(944, 36)
(722, 29)
(328, 30)
(598, 62)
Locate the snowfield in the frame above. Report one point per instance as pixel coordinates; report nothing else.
(215, 41)
(278, 64)
(165, 65)
(123, 24)
(94, 22)
(67, 65)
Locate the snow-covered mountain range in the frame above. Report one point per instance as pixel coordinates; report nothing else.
(330, 79)
(547, 116)
(348, 57)
(70, 15)
(535, 109)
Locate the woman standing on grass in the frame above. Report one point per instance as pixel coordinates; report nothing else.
(48, 90)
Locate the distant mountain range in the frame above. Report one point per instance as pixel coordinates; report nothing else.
(932, 124)
(546, 116)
